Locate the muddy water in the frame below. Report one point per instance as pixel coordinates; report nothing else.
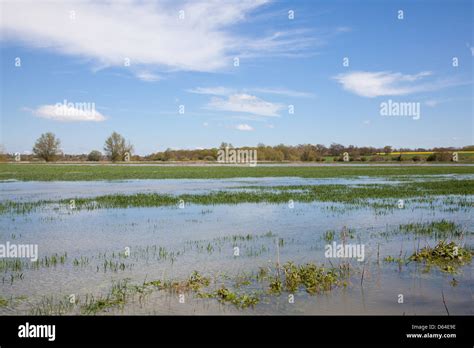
(169, 243)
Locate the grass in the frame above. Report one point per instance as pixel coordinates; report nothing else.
(117, 297)
(438, 229)
(52, 172)
(194, 283)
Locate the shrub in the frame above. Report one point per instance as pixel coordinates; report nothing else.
(94, 156)
(376, 158)
(439, 156)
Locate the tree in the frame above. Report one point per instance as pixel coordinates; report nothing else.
(3, 155)
(94, 156)
(336, 149)
(47, 147)
(117, 148)
(387, 150)
(224, 145)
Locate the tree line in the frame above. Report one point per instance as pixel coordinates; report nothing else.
(48, 148)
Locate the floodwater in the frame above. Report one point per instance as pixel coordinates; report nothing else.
(55, 190)
(170, 243)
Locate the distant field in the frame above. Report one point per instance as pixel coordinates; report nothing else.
(52, 172)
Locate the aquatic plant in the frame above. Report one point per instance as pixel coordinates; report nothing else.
(448, 257)
(239, 300)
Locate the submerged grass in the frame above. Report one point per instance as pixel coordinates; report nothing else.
(437, 229)
(363, 194)
(116, 298)
(312, 278)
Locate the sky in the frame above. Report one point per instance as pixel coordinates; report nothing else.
(191, 74)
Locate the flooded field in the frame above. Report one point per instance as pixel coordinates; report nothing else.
(240, 245)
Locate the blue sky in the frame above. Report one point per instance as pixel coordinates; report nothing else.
(77, 51)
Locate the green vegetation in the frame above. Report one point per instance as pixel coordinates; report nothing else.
(448, 257)
(329, 236)
(393, 259)
(3, 302)
(57, 172)
(94, 156)
(194, 283)
(314, 279)
(241, 301)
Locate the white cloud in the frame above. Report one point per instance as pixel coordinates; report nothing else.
(147, 33)
(244, 127)
(68, 113)
(148, 76)
(432, 103)
(245, 103)
(383, 83)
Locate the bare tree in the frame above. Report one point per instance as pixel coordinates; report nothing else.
(116, 147)
(47, 147)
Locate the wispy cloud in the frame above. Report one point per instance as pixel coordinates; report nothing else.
(246, 103)
(384, 83)
(291, 43)
(225, 91)
(222, 91)
(282, 91)
(108, 33)
(375, 84)
(65, 113)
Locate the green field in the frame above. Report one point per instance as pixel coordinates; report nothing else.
(55, 172)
